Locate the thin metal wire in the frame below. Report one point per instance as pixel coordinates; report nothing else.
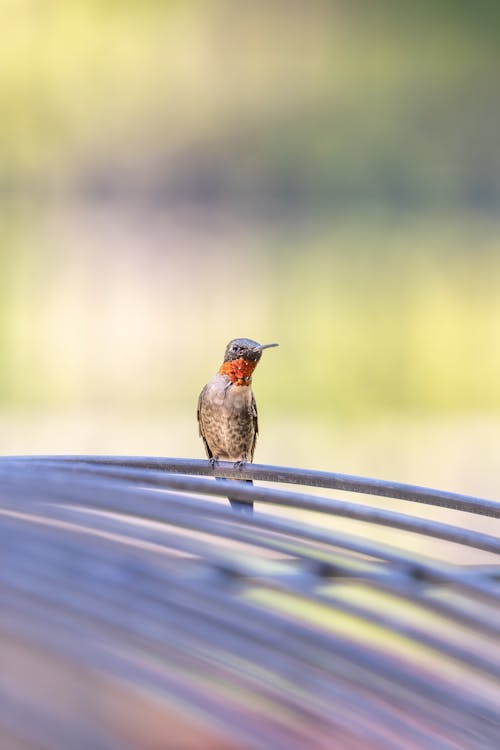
(282, 474)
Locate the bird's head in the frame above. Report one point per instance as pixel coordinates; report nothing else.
(245, 349)
(241, 358)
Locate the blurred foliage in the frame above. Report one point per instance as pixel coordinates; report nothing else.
(307, 104)
(134, 312)
(324, 174)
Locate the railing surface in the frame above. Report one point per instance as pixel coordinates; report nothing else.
(137, 610)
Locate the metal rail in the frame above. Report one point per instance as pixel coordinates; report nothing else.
(263, 631)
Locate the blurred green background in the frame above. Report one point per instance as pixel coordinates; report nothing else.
(322, 174)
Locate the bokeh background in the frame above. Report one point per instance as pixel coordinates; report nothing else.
(322, 174)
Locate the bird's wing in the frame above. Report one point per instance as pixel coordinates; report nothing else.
(253, 408)
(200, 424)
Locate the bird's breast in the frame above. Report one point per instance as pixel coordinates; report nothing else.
(227, 419)
(222, 394)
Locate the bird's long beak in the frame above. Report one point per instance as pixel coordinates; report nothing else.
(264, 346)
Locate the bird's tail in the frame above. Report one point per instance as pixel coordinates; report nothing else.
(238, 505)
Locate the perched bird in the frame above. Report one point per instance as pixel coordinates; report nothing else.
(227, 413)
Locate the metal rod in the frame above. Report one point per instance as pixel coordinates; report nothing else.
(327, 480)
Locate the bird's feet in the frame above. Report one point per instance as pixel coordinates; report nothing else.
(240, 464)
(213, 462)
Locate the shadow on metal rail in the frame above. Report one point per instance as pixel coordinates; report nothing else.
(138, 611)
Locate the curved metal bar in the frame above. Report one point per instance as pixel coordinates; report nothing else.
(139, 572)
(349, 716)
(301, 586)
(296, 585)
(395, 582)
(122, 498)
(345, 509)
(324, 479)
(187, 521)
(59, 596)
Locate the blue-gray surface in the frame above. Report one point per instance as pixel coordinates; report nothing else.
(138, 611)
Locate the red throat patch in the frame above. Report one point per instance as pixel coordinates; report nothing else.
(239, 371)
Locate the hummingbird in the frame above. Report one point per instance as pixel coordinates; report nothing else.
(227, 412)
